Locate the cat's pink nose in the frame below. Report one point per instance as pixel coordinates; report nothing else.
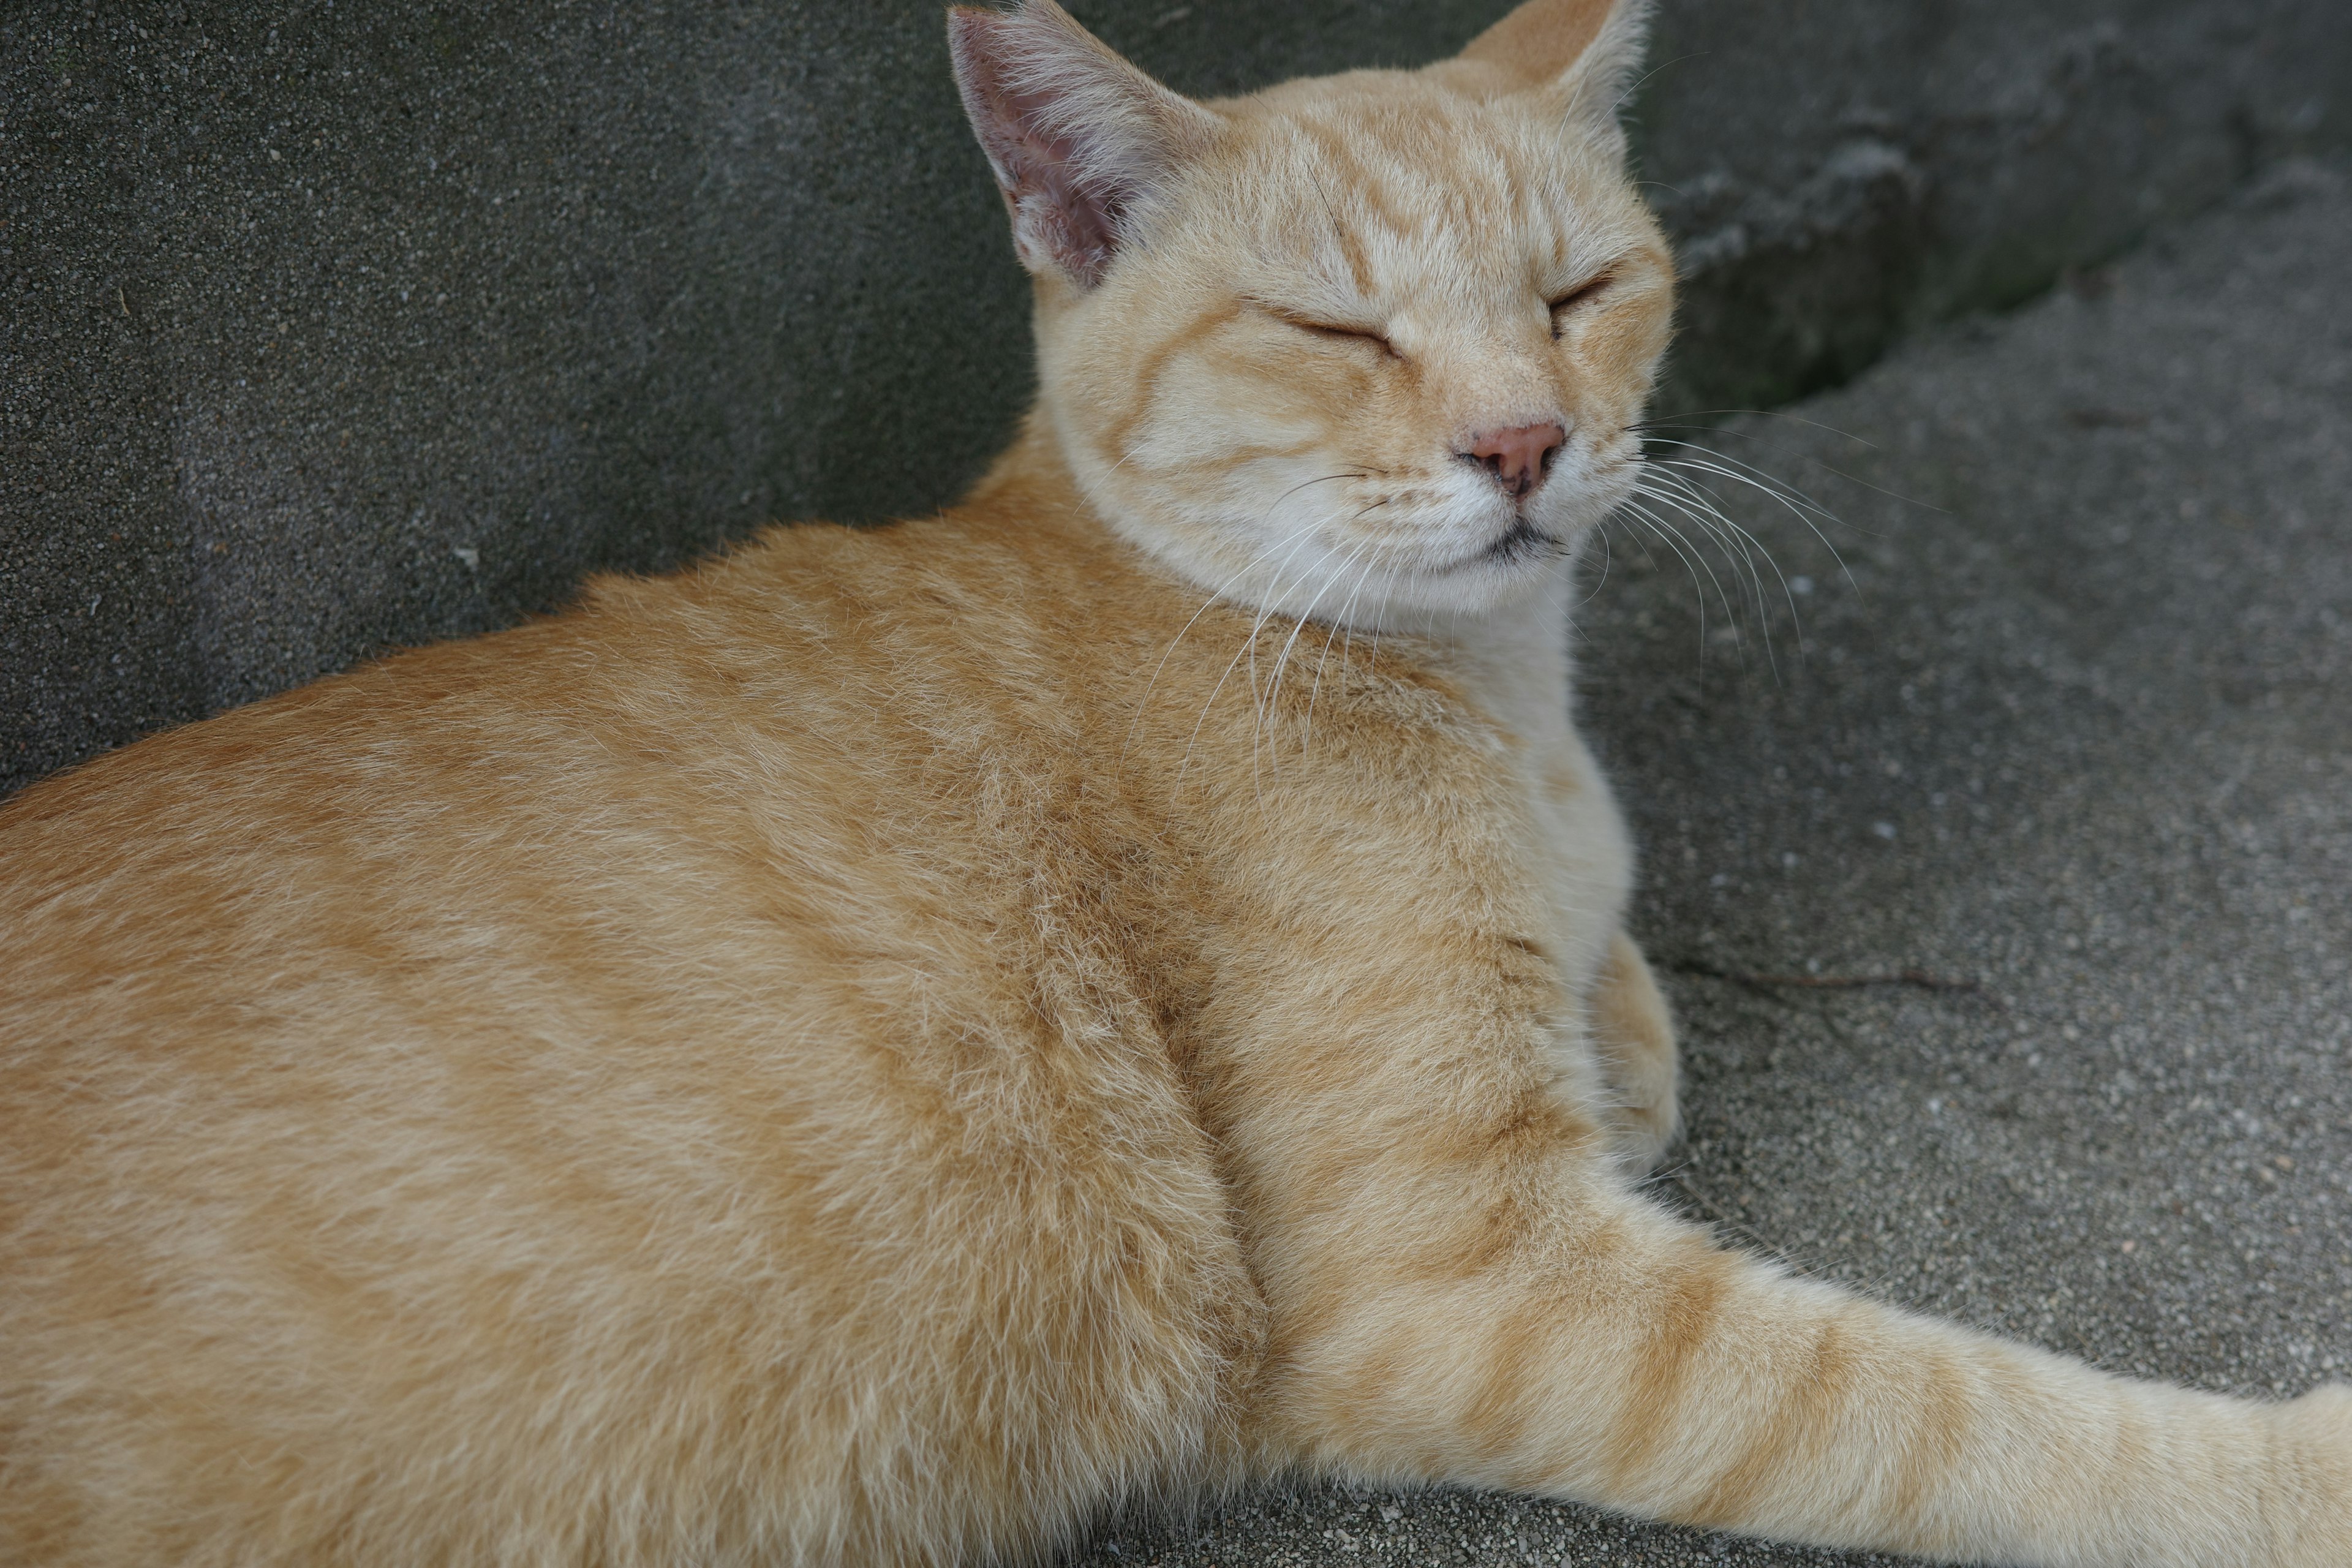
(1518, 458)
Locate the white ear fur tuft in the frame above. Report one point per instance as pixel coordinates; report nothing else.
(1587, 52)
(1079, 140)
(1596, 88)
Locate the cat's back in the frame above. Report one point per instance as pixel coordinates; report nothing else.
(793, 712)
(629, 1042)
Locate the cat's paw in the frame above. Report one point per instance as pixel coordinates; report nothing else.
(1635, 1038)
(1640, 1135)
(2316, 1452)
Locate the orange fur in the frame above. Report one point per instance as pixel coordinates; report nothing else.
(877, 1048)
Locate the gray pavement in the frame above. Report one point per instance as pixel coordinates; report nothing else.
(2077, 732)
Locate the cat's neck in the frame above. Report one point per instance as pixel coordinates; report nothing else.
(1517, 663)
(1030, 477)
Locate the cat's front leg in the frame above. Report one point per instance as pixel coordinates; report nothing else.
(1633, 1035)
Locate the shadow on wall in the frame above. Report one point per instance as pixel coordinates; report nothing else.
(340, 330)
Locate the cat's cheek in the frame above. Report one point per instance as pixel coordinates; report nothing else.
(1623, 349)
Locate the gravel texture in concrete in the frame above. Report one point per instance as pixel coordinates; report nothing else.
(2067, 741)
(330, 328)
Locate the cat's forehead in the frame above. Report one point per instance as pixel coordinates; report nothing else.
(1393, 175)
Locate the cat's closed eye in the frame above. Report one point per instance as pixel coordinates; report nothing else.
(1337, 331)
(1584, 293)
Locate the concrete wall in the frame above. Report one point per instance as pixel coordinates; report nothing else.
(325, 329)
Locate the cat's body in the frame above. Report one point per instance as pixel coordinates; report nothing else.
(875, 1048)
(850, 1117)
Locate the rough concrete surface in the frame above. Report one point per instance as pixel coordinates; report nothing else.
(2075, 734)
(325, 329)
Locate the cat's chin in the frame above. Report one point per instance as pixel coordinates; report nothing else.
(1506, 576)
(1523, 541)
(1523, 554)
(1519, 551)
(1515, 571)
(1508, 565)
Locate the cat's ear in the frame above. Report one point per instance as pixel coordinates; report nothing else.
(1080, 140)
(1586, 53)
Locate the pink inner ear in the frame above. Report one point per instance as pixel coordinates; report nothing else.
(1073, 220)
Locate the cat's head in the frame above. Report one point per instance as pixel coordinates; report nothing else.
(1364, 346)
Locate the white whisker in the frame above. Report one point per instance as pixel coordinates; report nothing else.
(1346, 622)
(1284, 658)
(1798, 504)
(1736, 546)
(1214, 595)
(1700, 498)
(1248, 648)
(1258, 706)
(1672, 541)
(1733, 539)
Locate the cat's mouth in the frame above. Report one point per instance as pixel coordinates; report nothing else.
(1523, 541)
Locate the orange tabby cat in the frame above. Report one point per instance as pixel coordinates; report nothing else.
(873, 1049)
